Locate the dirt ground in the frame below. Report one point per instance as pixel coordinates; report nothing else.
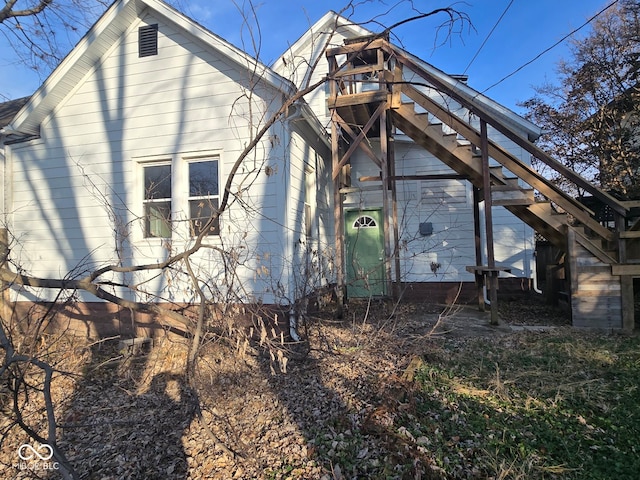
(323, 409)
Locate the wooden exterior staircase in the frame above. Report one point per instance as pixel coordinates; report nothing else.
(374, 80)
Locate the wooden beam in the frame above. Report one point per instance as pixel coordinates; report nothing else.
(374, 188)
(357, 70)
(356, 47)
(361, 136)
(478, 247)
(631, 269)
(394, 209)
(479, 110)
(436, 176)
(333, 87)
(396, 87)
(628, 304)
(385, 198)
(629, 234)
(481, 269)
(345, 126)
(349, 100)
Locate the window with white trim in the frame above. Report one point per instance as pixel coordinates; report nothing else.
(180, 195)
(157, 200)
(446, 192)
(204, 196)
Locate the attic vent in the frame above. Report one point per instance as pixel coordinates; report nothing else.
(148, 40)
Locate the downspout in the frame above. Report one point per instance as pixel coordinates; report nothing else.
(534, 275)
(534, 270)
(483, 246)
(3, 169)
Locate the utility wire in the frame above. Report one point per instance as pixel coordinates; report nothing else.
(552, 46)
(488, 35)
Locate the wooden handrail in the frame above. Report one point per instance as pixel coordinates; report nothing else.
(484, 115)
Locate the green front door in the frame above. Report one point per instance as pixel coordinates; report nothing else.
(365, 253)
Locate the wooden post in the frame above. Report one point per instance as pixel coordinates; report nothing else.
(385, 198)
(338, 220)
(627, 303)
(338, 217)
(394, 205)
(492, 275)
(621, 226)
(479, 278)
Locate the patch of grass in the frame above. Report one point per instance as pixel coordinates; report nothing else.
(540, 405)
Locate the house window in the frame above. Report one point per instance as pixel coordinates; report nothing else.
(443, 192)
(203, 196)
(365, 221)
(148, 40)
(309, 201)
(157, 200)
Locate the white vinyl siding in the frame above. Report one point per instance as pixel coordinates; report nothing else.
(79, 190)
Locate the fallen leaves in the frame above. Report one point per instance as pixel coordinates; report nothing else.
(357, 405)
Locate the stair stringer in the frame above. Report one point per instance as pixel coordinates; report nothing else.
(596, 294)
(539, 216)
(514, 165)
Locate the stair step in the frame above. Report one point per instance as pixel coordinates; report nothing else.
(520, 201)
(546, 213)
(625, 269)
(503, 195)
(451, 138)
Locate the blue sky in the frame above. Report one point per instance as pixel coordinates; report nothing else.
(527, 28)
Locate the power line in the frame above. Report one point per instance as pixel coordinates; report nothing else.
(552, 46)
(488, 35)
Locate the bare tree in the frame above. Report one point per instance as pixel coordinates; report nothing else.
(591, 118)
(100, 282)
(42, 32)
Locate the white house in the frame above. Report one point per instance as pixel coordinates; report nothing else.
(123, 153)
(120, 156)
(430, 263)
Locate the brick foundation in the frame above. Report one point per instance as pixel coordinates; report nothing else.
(102, 319)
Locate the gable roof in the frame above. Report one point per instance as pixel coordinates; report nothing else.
(331, 21)
(105, 32)
(320, 33)
(9, 109)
